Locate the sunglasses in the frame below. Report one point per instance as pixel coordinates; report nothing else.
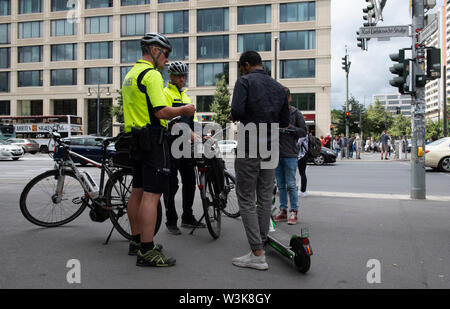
(166, 53)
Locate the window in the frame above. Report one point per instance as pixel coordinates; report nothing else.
(31, 29)
(31, 108)
(298, 40)
(65, 107)
(123, 72)
(5, 7)
(135, 24)
(209, 20)
(203, 103)
(5, 58)
(5, 31)
(255, 14)
(173, 22)
(212, 47)
(209, 73)
(105, 117)
(30, 6)
(180, 49)
(94, 76)
(304, 101)
(62, 5)
(254, 41)
(99, 50)
(91, 4)
(61, 27)
(267, 67)
(30, 54)
(166, 1)
(64, 52)
(4, 81)
(64, 77)
(5, 108)
(304, 68)
(100, 24)
(30, 78)
(293, 12)
(134, 2)
(130, 51)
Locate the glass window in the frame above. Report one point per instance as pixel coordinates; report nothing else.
(4, 81)
(301, 11)
(210, 20)
(65, 107)
(30, 78)
(211, 47)
(5, 58)
(99, 24)
(64, 52)
(63, 77)
(61, 27)
(180, 49)
(5, 7)
(173, 22)
(31, 29)
(134, 2)
(30, 6)
(94, 76)
(203, 103)
(99, 50)
(298, 40)
(267, 66)
(135, 24)
(31, 108)
(5, 108)
(254, 41)
(304, 101)
(62, 5)
(5, 32)
(123, 73)
(130, 51)
(255, 14)
(302, 68)
(30, 54)
(91, 4)
(209, 73)
(166, 1)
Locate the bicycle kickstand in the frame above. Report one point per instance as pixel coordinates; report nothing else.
(198, 223)
(109, 236)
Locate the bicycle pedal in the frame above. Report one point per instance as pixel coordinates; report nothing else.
(77, 201)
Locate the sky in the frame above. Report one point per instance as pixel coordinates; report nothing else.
(369, 70)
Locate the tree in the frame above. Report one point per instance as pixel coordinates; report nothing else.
(116, 111)
(221, 104)
(378, 119)
(401, 126)
(431, 129)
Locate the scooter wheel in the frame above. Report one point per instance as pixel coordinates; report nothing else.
(301, 260)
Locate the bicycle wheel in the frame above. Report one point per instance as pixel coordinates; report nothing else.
(232, 206)
(38, 199)
(211, 207)
(117, 192)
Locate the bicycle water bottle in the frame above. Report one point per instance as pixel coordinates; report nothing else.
(90, 184)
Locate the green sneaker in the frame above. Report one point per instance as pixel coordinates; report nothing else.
(135, 246)
(154, 257)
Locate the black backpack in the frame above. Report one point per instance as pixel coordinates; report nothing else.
(314, 146)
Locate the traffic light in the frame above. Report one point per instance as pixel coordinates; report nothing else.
(370, 17)
(347, 115)
(345, 64)
(361, 41)
(331, 128)
(398, 110)
(401, 68)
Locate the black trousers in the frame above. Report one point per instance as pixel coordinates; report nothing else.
(302, 170)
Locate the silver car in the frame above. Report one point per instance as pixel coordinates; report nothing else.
(9, 151)
(28, 145)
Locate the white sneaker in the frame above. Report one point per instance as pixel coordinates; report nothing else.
(301, 194)
(251, 261)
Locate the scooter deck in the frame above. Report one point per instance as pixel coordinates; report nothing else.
(279, 240)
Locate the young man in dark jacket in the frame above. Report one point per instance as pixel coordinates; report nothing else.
(287, 166)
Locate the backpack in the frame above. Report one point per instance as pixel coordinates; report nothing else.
(314, 146)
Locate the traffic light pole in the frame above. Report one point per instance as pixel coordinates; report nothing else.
(347, 120)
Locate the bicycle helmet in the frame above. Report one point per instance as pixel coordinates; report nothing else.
(153, 38)
(178, 68)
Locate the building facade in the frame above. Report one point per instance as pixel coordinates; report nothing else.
(58, 56)
(394, 103)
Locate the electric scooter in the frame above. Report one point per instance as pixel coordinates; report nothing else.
(294, 247)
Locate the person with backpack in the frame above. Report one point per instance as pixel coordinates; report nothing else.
(286, 171)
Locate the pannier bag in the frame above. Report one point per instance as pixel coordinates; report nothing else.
(122, 156)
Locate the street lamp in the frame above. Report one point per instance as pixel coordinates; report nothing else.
(276, 56)
(98, 90)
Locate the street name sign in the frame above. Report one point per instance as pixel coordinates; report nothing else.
(384, 32)
(428, 31)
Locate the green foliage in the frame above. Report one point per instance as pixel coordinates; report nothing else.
(401, 126)
(431, 129)
(221, 104)
(378, 119)
(117, 110)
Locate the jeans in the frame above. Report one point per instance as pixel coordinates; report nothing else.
(286, 182)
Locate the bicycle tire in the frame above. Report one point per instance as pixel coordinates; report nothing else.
(27, 203)
(117, 191)
(232, 207)
(211, 208)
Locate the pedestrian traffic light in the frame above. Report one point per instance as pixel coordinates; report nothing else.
(401, 68)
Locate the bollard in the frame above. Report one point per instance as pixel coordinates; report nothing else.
(397, 150)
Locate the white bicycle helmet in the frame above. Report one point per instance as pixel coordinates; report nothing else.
(178, 68)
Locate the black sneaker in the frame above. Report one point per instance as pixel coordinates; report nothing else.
(134, 248)
(173, 229)
(192, 224)
(154, 257)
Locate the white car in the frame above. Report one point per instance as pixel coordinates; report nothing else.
(437, 154)
(227, 146)
(9, 151)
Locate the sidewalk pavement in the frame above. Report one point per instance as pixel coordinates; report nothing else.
(375, 156)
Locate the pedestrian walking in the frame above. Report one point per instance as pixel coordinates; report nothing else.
(384, 140)
(336, 147)
(343, 146)
(303, 144)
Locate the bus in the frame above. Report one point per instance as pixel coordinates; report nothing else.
(7, 131)
(39, 127)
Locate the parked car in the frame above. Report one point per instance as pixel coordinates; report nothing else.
(437, 154)
(86, 146)
(227, 146)
(10, 151)
(28, 145)
(326, 156)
